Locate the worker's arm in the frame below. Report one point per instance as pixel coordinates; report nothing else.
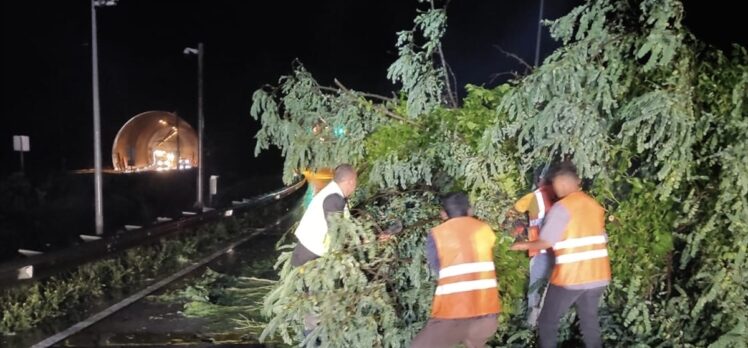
(534, 245)
(553, 230)
(432, 255)
(333, 204)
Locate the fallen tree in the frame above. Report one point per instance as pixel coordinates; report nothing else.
(655, 119)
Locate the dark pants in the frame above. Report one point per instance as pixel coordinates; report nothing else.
(540, 269)
(557, 303)
(301, 255)
(447, 333)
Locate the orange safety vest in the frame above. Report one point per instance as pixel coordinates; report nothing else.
(582, 253)
(467, 279)
(544, 198)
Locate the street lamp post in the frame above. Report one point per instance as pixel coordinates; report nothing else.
(97, 116)
(200, 120)
(539, 37)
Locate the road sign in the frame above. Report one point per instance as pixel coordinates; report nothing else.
(213, 184)
(21, 143)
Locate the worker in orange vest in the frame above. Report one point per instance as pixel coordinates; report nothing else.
(575, 229)
(536, 204)
(466, 300)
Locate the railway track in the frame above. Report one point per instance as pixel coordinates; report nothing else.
(40, 266)
(53, 263)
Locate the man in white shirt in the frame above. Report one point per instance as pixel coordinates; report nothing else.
(311, 232)
(332, 199)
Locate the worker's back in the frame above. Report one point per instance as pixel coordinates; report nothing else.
(467, 280)
(582, 254)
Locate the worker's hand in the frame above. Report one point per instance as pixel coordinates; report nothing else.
(518, 246)
(384, 237)
(394, 228)
(518, 228)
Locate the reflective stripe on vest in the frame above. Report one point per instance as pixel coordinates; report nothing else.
(535, 224)
(582, 254)
(466, 268)
(542, 204)
(467, 284)
(580, 242)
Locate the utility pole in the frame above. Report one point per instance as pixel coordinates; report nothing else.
(537, 39)
(200, 119)
(98, 194)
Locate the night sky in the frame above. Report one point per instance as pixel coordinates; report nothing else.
(47, 73)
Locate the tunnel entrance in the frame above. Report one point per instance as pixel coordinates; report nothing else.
(155, 140)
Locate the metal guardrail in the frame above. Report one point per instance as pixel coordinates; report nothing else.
(41, 266)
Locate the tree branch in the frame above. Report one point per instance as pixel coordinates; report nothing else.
(377, 106)
(497, 75)
(363, 94)
(452, 100)
(451, 95)
(516, 57)
(454, 79)
(394, 115)
(370, 95)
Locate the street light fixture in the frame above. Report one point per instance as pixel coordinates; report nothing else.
(98, 194)
(199, 51)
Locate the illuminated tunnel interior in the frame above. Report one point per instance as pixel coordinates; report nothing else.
(155, 140)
